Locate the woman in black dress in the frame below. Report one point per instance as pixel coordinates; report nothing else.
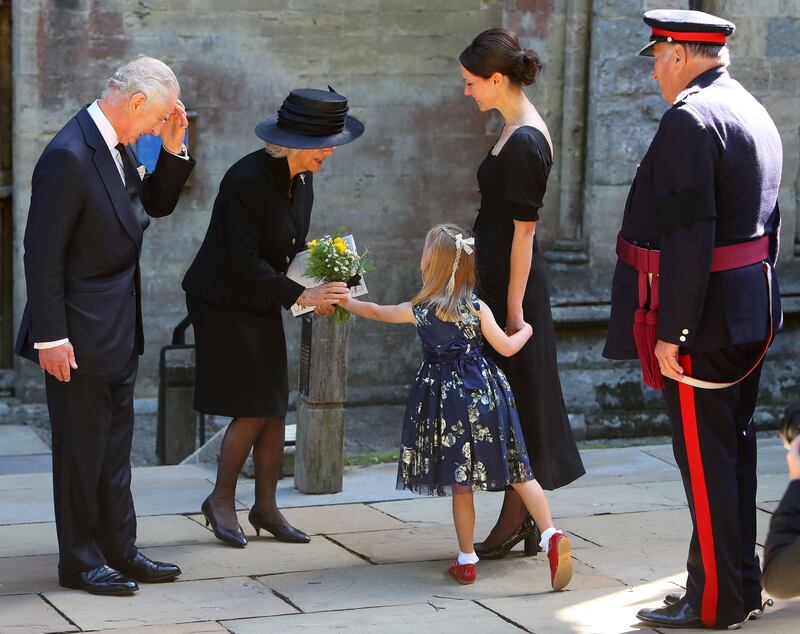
(235, 289)
(511, 275)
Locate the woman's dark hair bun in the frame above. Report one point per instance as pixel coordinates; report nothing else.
(528, 67)
(498, 51)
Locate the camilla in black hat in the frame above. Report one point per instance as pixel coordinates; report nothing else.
(236, 287)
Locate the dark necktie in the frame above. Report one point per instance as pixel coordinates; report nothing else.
(129, 169)
(131, 178)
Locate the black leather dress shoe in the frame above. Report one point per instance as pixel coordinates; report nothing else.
(146, 570)
(101, 580)
(753, 613)
(282, 533)
(677, 615)
(672, 598)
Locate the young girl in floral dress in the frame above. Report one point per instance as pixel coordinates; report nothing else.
(461, 430)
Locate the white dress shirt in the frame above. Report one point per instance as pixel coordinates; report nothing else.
(110, 137)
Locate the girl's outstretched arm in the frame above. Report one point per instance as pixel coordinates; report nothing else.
(499, 340)
(397, 314)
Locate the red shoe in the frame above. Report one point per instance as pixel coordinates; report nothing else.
(463, 573)
(558, 554)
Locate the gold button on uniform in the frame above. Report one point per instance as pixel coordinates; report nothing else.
(682, 338)
(685, 331)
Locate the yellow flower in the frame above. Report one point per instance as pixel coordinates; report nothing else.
(313, 243)
(340, 245)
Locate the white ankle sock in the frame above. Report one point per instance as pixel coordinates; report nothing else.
(546, 535)
(467, 558)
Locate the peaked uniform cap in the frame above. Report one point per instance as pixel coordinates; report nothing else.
(682, 26)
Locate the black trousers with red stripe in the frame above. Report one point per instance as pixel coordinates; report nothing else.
(714, 440)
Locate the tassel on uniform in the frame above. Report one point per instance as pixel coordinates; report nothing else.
(651, 325)
(644, 335)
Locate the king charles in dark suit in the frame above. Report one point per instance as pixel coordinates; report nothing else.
(90, 204)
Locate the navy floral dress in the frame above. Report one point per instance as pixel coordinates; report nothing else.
(461, 425)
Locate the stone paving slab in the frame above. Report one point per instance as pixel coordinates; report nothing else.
(615, 531)
(35, 463)
(26, 498)
(771, 455)
(160, 530)
(327, 520)
(364, 484)
(29, 614)
(169, 603)
(441, 616)
(636, 563)
(206, 627)
(433, 511)
(415, 544)
(566, 502)
(623, 465)
(23, 575)
(264, 556)
(584, 611)
(20, 440)
(768, 507)
(397, 584)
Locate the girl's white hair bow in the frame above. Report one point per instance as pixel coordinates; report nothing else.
(467, 244)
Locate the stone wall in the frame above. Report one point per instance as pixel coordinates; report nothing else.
(397, 62)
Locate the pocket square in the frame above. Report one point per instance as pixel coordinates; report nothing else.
(142, 171)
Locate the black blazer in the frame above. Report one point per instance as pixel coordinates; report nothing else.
(254, 233)
(709, 178)
(82, 244)
(781, 576)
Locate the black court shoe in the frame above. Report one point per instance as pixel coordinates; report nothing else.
(527, 531)
(232, 537)
(280, 532)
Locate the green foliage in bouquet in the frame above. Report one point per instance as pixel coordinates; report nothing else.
(332, 260)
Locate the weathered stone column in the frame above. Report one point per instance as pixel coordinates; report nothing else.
(570, 248)
(319, 448)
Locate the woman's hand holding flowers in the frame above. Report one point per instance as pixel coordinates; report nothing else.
(324, 296)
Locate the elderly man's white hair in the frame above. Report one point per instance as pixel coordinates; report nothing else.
(146, 75)
(708, 51)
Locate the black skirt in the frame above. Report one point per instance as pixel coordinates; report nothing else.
(533, 375)
(241, 361)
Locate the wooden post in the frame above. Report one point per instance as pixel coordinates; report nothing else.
(319, 449)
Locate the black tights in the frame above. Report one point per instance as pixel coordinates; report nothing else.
(265, 436)
(511, 516)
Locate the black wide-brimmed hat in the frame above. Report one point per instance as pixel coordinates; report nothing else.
(311, 119)
(682, 26)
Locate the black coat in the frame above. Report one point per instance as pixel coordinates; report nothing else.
(709, 178)
(254, 233)
(82, 243)
(781, 576)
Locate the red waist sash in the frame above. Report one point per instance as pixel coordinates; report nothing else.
(646, 262)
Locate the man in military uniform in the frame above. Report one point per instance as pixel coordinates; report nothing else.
(694, 297)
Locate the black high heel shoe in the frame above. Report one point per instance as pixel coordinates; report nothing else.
(226, 535)
(527, 531)
(280, 532)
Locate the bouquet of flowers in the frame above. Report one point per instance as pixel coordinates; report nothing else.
(334, 259)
